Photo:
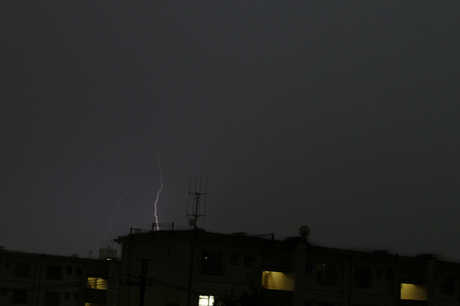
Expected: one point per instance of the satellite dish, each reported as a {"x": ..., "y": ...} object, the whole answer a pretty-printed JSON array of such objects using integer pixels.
[{"x": 304, "y": 231}]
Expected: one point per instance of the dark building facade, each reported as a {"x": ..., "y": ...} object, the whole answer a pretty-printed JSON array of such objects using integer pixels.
[
  {"x": 50, "y": 280},
  {"x": 197, "y": 268}
]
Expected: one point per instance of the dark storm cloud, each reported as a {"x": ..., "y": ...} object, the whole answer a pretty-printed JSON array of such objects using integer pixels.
[{"x": 339, "y": 115}]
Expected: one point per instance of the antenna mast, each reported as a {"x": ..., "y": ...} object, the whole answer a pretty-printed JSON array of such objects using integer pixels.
[{"x": 197, "y": 200}]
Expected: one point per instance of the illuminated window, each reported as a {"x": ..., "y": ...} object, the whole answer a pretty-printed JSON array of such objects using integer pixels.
[
  {"x": 413, "y": 292},
  {"x": 206, "y": 300},
  {"x": 278, "y": 280},
  {"x": 97, "y": 283}
]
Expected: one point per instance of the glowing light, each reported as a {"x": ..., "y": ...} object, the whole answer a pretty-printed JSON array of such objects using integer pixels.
[
  {"x": 274, "y": 280},
  {"x": 97, "y": 283},
  {"x": 158, "y": 193},
  {"x": 206, "y": 300},
  {"x": 413, "y": 292}
]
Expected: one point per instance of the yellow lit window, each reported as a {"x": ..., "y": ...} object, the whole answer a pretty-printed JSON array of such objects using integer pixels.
[
  {"x": 278, "y": 280},
  {"x": 97, "y": 283},
  {"x": 413, "y": 292}
]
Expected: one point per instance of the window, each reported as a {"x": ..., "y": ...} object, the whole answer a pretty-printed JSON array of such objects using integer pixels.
[
  {"x": 211, "y": 262},
  {"x": 51, "y": 299},
  {"x": 327, "y": 274},
  {"x": 390, "y": 274},
  {"x": 67, "y": 296},
  {"x": 413, "y": 292},
  {"x": 22, "y": 270},
  {"x": 69, "y": 270},
  {"x": 4, "y": 291},
  {"x": 7, "y": 265},
  {"x": 378, "y": 274},
  {"x": 448, "y": 285},
  {"x": 234, "y": 259},
  {"x": 362, "y": 278},
  {"x": 206, "y": 300},
  {"x": 78, "y": 271},
  {"x": 97, "y": 283},
  {"x": 309, "y": 266},
  {"x": 76, "y": 296},
  {"x": 54, "y": 272},
  {"x": 19, "y": 296},
  {"x": 248, "y": 260},
  {"x": 274, "y": 280}
]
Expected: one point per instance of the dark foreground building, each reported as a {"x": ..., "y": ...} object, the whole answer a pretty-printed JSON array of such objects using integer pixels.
[
  {"x": 50, "y": 280},
  {"x": 197, "y": 268}
]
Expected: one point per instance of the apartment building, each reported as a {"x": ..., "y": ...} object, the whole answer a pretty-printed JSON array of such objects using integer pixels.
[
  {"x": 50, "y": 280},
  {"x": 198, "y": 268}
]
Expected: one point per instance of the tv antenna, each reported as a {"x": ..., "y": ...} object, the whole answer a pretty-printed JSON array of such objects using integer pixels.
[{"x": 196, "y": 206}]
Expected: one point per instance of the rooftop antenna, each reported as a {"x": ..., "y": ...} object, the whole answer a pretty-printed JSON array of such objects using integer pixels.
[{"x": 197, "y": 200}]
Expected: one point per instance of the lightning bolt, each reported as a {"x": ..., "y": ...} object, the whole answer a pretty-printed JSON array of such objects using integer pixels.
[
  {"x": 113, "y": 218},
  {"x": 158, "y": 193}
]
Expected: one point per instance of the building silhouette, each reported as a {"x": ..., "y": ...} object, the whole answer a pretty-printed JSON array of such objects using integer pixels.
[
  {"x": 194, "y": 267},
  {"x": 199, "y": 268},
  {"x": 51, "y": 280}
]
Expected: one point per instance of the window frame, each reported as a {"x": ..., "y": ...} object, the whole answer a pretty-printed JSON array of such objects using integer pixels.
[
  {"x": 248, "y": 260},
  {"x": 51, "y": 298},
  {"x": 448, "y": 285},
  {"x": 211, "y": 262},
  {"x": 19, "y": 296},
  {"x": 54, "y": 272},
  {"x": 234, "y": 258},
  {"x": 22, "y": 270},
  {"x": 327, "y": 274},
  {"x": 362, "y": 277}
]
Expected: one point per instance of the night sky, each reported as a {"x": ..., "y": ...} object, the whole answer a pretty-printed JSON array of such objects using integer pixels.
[{"x": 341, "y": 115}]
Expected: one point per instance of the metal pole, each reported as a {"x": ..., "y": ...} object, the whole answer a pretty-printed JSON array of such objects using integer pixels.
[{"x": 143, "y": 281}]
